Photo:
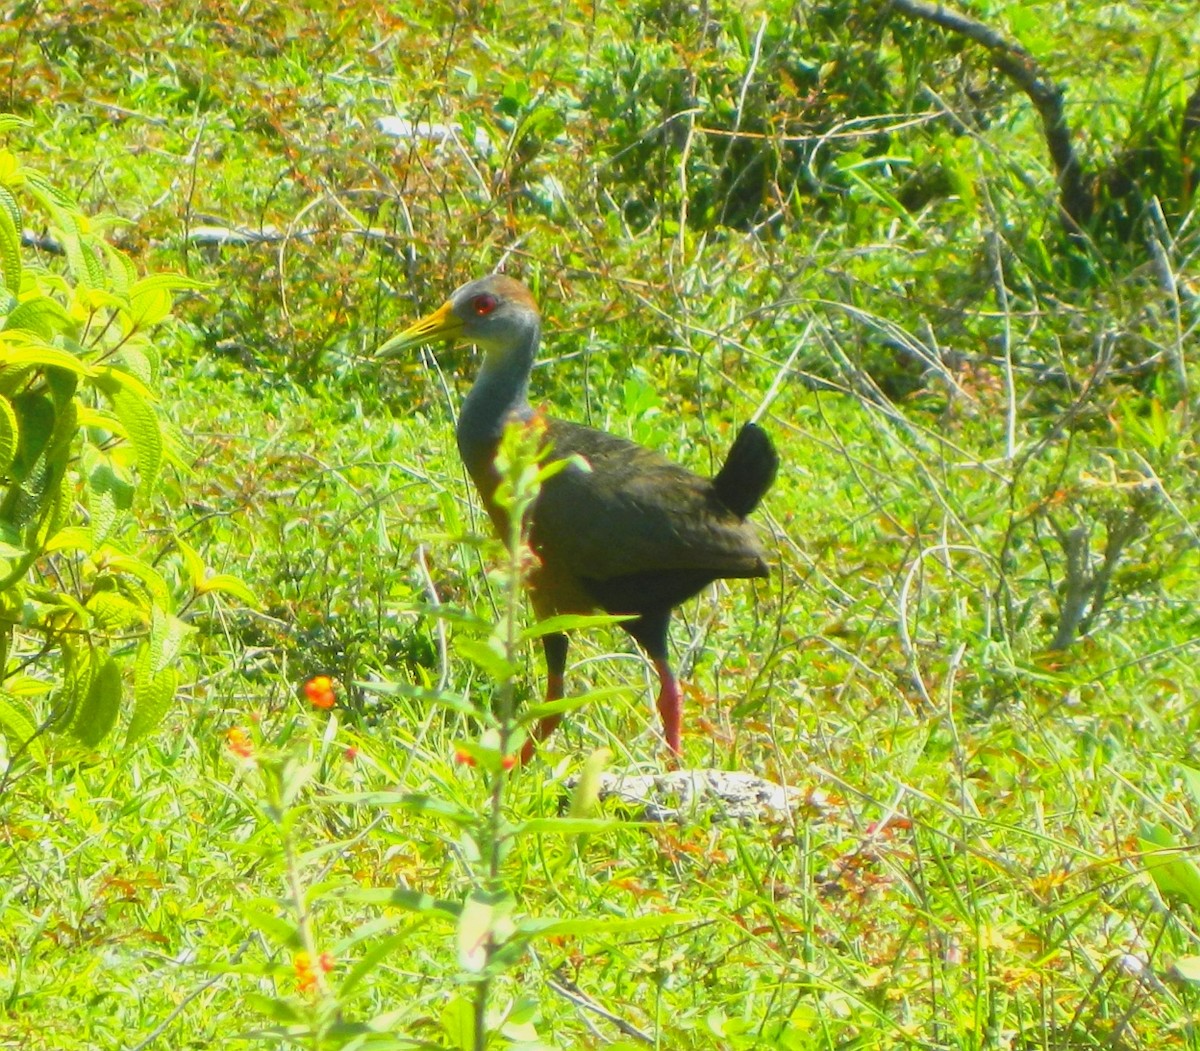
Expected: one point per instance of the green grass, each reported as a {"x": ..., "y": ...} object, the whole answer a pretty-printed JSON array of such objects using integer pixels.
[{"x": 965, "y": 870}]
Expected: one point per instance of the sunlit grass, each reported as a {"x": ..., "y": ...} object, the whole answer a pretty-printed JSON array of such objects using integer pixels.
[{"x": 964, "y": 871}]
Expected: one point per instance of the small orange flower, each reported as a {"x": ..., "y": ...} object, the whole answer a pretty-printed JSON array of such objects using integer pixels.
[
  {"x": 306, "y": 976},
  {"x": 463, "y": 757},
  {"x": 508, "y": 762},
  {"x": 319, "y": 691},
  {"x": 350, "y": 754},
  {"x": 239, "y": 742},
  {"x": 307, "y": 969}
]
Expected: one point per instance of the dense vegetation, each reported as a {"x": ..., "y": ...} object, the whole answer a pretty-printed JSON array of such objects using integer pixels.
[{"x": 975, "y": 660}]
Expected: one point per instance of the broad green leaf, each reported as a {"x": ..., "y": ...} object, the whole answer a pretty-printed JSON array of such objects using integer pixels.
[
  {"x": 9, "y": 435},
  {"x": 586, "y": 796},
  {"x": 570, "y": 826},
  {"x": 111, "y": 611},
  {"x": 167, "y": 633},
  {"x": 97, "y": 712},
  {"x": 458, "y": 1023},
  {"x": 141, "y": 424},
  {"x": 534, "y": 712},
  {"x": 192, "y": 561},
  {"x": 260, "y": 914},
  {"x": 487, "y": 655},
  {"x": 273, "y": 1008},
  {"x": 571, "y": 622},
  {"x": 111, "y": 380},
  {"x": 16, "y": 351},
  {"x": 80, "y": 671},
  {"x": 72, "y": 538},
  {"x": 152, "y": 697},
  {"x": 40, "y": 316},
  {"x": 18, "y": 726},
  {"x": 10, "y": 241},
  {"x": 117, "y": 562},
  {"x": 35, "y": 426},
  {"x": 109, "y": 498},
  {"x": 1170, "y": 864},
  {"x": 168, "y": 283},
  {"x": 228, "y": 584},
  {"x": 137, "y": 363},
  {"x": 149, "y": 306},
  {"x": 121, "y": 271}
]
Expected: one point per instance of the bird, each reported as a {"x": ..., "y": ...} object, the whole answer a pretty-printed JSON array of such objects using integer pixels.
[{"x": 630, "y": 532}]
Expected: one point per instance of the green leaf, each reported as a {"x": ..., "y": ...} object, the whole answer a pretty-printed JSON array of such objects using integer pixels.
[
  {"x": 1169, "y": 863},
  {"x": 79, "y": 671},
  {"x": 18, "y": 726},
  {"x": 118, "y": 562},
  {"x": 97, "y": 713},
  {"x": 110, "y": 497},
  {"x": 488, "y": 656},
  {"x": 261, "y": 915},
  {"x": 586, "y": 796},
  {"x": 10, "y": 241},
  {"x": 149, "y": 306},
  {"x": 458, "y": 1023},
  {"x": 40, "y": 316},
  {"x": 152, "y": 697},
  {"x": 35, "y": 415},
  {"x": 571, "y": 826},
  {"x": 168, "y": 282},
  {"x": 571, "y": 622},
  {"x": 111, "y": 611},
  {"x": 228, "y": 584},
  {"x": 534, "y": 712},
  {"x": 17, "y": 349},
  {"x": 142, "y": 425},
  {"x": 9, "y": 435},
  {"x": 273, "y": 1008},
  {"x": 167, "y": 633}
]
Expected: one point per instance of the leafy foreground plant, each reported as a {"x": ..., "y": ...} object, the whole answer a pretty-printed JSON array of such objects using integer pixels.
[
  {"x": 80, "y": 440},
  {"x": 491, "y": 937}
]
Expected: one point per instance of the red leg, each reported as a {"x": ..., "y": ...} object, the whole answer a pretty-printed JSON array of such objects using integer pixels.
[
  {"x": 670, "y": 704},
  {"x": 555, "y": 647}
]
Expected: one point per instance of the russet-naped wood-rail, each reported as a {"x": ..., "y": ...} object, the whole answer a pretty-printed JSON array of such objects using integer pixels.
[{"x": 635, "y": 535}]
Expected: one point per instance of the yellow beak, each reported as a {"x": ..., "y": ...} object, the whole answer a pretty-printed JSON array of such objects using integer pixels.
[{"x": 441, "y": 324}]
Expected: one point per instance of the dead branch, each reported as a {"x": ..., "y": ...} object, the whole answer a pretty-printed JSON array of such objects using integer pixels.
[{"x": 1047, "y": 96}]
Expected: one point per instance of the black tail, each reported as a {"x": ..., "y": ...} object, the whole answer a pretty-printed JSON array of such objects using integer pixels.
[{"x": 748, "y": 472}]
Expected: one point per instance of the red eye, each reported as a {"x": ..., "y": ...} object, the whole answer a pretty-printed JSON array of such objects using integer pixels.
[{"x": 484, "y": 305}]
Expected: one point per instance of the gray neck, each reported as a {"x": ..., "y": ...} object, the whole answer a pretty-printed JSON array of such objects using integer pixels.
[{"x": 500, "y": 391}]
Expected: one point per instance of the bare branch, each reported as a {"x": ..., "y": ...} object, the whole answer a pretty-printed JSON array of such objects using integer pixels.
[{"x": 1047, "y": 96}]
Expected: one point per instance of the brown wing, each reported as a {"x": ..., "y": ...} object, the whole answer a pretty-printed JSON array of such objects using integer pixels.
[{"x": 635, "y": 511}]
